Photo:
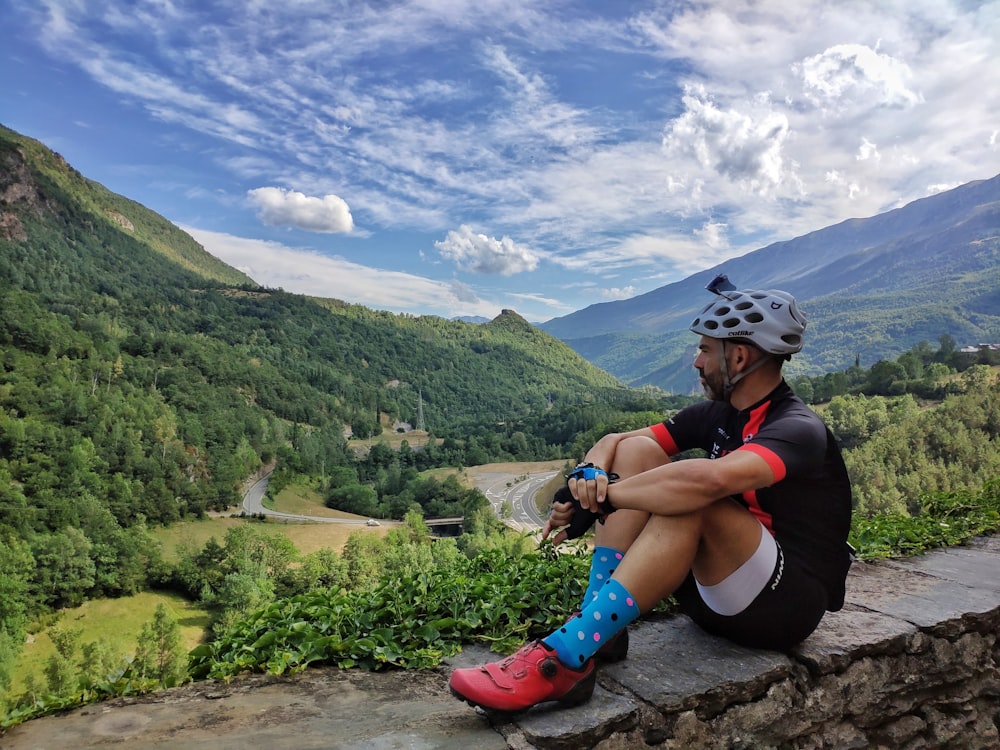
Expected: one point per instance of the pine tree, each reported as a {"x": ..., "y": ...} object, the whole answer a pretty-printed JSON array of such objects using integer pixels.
[
  {"x": 159, "y": 656},
  {"x": 61, "y": 672}
]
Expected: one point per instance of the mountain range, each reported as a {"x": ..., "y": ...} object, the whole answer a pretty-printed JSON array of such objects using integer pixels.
[
  {"x": 86, "y": 274},
  {"x": 871, "y": 288}
]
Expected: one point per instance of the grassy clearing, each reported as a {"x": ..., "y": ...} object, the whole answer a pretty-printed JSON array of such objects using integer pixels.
[
  {"x": 391, "y": 438},
  {"x": 115, "y": 621},
  {"x": 306, "y": 501},
  {"x": 307, "y": 537},
  {"x": 119, "y": 621}
]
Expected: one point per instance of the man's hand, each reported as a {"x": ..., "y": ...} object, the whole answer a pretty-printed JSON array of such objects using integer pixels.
[
  {"x": 569, "y": 512},
  {"x": 589, "y": 485},
  {"x": 591, "y": 492},
  {"x": 561, "y": 515}
]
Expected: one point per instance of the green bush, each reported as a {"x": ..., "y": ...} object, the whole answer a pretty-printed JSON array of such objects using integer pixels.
[{"x": 411, "y": 621}]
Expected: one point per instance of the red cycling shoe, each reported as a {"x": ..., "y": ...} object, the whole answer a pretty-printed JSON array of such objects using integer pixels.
[{"x": 530, "y": 676}]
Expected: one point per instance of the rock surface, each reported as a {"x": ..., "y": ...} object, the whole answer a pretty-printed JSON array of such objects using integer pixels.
[{"x": 911, "y": 662}]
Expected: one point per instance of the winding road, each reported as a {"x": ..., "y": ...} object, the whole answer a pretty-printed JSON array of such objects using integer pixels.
[
  {"x": 253, "y": 504},
  {"x": 499, "y": 486}
]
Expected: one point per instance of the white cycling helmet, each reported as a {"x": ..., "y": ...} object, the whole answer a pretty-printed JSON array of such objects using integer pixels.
[{"x": 768, "y": 319}]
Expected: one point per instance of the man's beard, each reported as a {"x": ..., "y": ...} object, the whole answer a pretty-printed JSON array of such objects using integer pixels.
[{"x": 712, "y": 386}]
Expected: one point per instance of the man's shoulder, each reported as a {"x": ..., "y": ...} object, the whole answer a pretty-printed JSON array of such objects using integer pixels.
[
  {"x": 703, "y": 410},
  {"x": 786, "y": 400},
  {"x": 789, "y": 416}
]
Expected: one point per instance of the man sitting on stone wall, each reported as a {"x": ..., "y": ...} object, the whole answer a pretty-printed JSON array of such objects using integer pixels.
[{"x": 751, "y": 540}]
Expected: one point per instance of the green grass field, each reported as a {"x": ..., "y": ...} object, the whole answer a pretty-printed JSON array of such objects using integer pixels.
[{"x": 307, "y": 537}]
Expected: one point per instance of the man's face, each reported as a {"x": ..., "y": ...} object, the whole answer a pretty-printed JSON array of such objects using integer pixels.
[{"x": 708, "y": 364}]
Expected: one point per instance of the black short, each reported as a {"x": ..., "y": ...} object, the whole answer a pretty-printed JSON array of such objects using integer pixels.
[{"x": 783, "y": 614}]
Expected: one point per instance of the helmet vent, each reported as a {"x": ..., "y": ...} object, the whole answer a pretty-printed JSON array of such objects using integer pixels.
[
  {"x": 744, "y": 305},
  {"x": 722, "y": 311},
  {"x": 711, "y": 325},
  {"x": 754, "y": 317},
  {"x": 731, "y": 322}
]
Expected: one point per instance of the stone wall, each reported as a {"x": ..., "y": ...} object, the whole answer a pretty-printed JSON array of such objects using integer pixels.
[{"x": 911, "y": 662}]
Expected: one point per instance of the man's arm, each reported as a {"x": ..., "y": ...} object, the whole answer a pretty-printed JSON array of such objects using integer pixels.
[
  {"x": 602, "y": 456},
  {"x": 690, "y": 485}
]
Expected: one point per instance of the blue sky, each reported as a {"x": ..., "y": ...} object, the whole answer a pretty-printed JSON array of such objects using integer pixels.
[{"x": 456, "y": 157}]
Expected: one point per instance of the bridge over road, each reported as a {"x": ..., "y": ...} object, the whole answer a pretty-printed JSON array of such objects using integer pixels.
[{"x": 445, "y": 526}]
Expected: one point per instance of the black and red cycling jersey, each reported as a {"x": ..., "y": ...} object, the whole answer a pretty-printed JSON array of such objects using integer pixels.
[{"x": 808, "y": 508}]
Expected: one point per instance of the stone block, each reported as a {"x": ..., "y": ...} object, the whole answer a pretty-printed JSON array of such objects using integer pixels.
[
  {"x": 552, "y": 728},
  {"x": 674, "y": 665},
  {"x": 968, "y": 566},
  {"x": 933, "y": 603},
  {"x": 845, "y": 636}
]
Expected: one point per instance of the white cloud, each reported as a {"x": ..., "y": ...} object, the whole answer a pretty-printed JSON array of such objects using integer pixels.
[
  {"x": 539, "y": 299},
  {"x": 849, "y": 187},
  {"x": 868, "y": 150},
  {"x": 617, "y": 292},
  {"x": 482, "y": 254},
  {"x": 713, "y": 234},
  {"x": 536, "y": 116},
  {"x": 463, "y": 292},
  {"x": 653, "y": 255},
  {"x": 289, "y": 208},
  {"x": 857, "y": 72},
  {"x": 743, "y": 146}
]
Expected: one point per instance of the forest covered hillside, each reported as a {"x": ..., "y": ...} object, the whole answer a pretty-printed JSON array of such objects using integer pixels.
[
  {"x": 142, "y": 379},
  {"x": 142, "y": 382}
]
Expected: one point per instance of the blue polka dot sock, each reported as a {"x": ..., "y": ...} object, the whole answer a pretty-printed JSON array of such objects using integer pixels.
[
  {"x": 602, "y": 565},
  {"x": 580, "y": 638}
]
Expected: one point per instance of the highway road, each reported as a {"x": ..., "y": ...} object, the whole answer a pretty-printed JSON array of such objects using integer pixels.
[{"x": 519, "y": 491}]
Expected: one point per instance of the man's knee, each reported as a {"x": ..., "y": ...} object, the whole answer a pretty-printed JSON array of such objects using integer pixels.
[{"x": 637, "y": 454}]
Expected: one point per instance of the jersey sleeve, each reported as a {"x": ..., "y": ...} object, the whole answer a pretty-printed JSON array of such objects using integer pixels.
[
  {"x": 685, "y": 430},
  {"x": 792, "y": 446}
]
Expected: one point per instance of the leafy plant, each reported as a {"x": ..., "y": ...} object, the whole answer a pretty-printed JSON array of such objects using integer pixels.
[
  {"x": 410, "y": 622},
  {"x": 944, "y": 520}
]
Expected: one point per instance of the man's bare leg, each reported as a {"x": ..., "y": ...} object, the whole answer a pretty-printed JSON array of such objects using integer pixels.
[
  {"x": 713, "y": 542},
  {"x": 633, "y": 456}
]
